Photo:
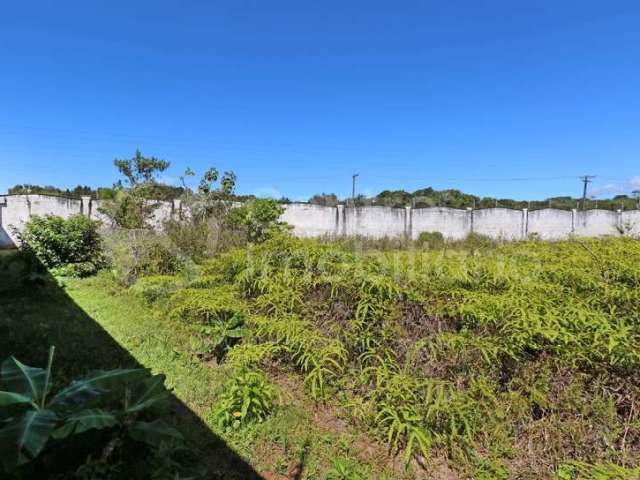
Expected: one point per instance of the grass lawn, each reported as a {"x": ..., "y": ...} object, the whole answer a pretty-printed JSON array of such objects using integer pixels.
[{"x": 96, "y": 325}]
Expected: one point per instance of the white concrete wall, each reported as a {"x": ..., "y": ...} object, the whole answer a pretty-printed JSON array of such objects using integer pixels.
[
  {"x": 311, "y": 220},
  {"x": 15, "y": 211},
  {"x": 453, "y": 223},
  {"x": 377, "y": 222},
  {"x": 499, "y": 223},
  {"x": 549, "y": 223},
  {"x": 595, "y": 223},
  {"x": 630, "y": 222},
  {"x": 97, "y": 215}
]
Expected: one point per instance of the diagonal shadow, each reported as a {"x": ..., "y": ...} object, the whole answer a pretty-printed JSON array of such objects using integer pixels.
[{"x": 35, "y": 313}]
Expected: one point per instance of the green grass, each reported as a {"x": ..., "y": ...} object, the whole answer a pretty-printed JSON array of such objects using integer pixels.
[
  {"x": 498, "y": 361},
  {"x": 97, "y": 325}
]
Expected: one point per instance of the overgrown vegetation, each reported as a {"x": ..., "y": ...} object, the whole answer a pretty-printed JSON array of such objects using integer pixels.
[
  {"x": 516, "y": 360},
  {"x": 471, "y": 359},
  {"x": 69, "y": 247}
]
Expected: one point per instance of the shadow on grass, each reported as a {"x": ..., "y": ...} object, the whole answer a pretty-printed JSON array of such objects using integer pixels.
[{"x": 36, "y": 313}]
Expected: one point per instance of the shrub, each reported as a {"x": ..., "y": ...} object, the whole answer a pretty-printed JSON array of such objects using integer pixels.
[
  {"x": 476, "y": 241},
  {"x": 158, "y": 259},
  {"x": 79, "y": 270},
  {"x": 259, "y": 218},
  {"x": 433, "y": 240},
  {"x": 116, "y": 403},
  {"x": 204, "y": 307},
  {"x": 216, "y": 339},
  {"x": 191, "y": 238},
  {"x": 207, "y": 281},
  {"x": 135, "y": 253},
  {"x": 247, "y": 398},
  {"x": 58, "y": 242},
  {"x": 153, "y": 288}
]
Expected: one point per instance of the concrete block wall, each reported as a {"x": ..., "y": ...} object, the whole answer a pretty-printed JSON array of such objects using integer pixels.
[
  {"x": 376, "y": 222},
  {"x": 500, "y": 223},
  {"x": 550, "y": 224},
  {"x": 453, "y": 223},
  {"x": 595, "y": 223},
  {"x": 312, "y": 220}
]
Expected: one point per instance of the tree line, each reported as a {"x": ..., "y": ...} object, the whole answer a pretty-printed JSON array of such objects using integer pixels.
[
  {"x": 421, "y": 198},
  {"x": 452, "y": 198}
]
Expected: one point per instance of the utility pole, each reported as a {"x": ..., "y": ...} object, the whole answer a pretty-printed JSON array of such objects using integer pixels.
[
  {"x": 586, "y": 179},
  {"x": 353, "y": 188}
]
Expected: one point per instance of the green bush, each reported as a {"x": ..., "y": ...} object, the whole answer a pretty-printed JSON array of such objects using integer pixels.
[
  {"x": 159, "y": 259},
  {"x": 191, "y": 238},
  {"x": 153, "y": 288},
  {"x": 259, "y": 218},
  {"x": 135, "y": 253},
  {"x": 58, "y": 242},
  {"x": 79, "y": 270},
  {"x": 207, "y": 281},
  {"x": 204, "y": 307},
  {"x": 432, "y": 240},
  {"x": 247, "y": 398}
]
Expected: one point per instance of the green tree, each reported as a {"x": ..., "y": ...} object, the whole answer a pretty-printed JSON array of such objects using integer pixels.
[
  {"x": 128, "y": 206},
  {"x": 259, "y": 218},
  {"x": 326, "y": 199},
  {"x": 201, "y": 228}
]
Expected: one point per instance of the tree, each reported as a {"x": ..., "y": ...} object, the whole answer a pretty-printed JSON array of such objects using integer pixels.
[
  {"x": 326, "y": 199},
  {"x": 139, "y": 170},
  {"x": 128, "y": 207},
  {"x": 200, "y": 229},
  {"x": 259, "y": 218}
]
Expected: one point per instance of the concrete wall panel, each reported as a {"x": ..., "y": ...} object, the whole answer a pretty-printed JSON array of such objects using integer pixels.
[
  {"x": 375, "y": 222},
  {"x": 595, "y": 223},
  {"x": 311, "y": 220},
  {"x": 549, "y": 223},
  {"x": 501, "y": 223},
  {"x": 453, "y": 223},
  {"x": 630, "y": 222}
]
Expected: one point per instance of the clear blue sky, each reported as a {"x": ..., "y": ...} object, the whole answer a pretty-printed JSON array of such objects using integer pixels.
[{"x": 295, "y": 96}]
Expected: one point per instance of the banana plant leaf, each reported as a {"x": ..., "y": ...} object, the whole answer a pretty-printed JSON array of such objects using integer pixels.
[
  {"x": 23, "y": 439},
  {"x": 23, "y": 380},
  {"x": 11, "y": 398},
  {"x": 154, "y": 433},
  {"x": 85, "y": 420},
  {"x": 153, "y": 392},
  {"x": 98, "y": 383}
]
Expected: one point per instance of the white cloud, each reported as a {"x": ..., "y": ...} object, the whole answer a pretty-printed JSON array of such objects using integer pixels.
[
  {"x": 613, "y": 188},
  {"x": 609, "y": 188},
  {"x": 266, "y": 192}
]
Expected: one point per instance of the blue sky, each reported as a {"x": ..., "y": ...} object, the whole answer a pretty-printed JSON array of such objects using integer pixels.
[{"x": 500, "y": 98}]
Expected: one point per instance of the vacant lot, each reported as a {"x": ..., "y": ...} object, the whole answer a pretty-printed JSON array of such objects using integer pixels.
[{"x": 516, "y": 361}]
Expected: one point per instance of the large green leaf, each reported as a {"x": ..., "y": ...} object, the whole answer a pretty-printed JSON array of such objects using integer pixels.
[
  {"x": 80, "y": 392},
  {"x": 151, "y": 392},
  {"x": 22, "y": 379},
  {"x": 154, "y": 433},
  {"x": 10, "y": 398},
  {"x": 85, "y": 420},
  {"x": 25, "y": 437}
]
